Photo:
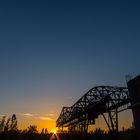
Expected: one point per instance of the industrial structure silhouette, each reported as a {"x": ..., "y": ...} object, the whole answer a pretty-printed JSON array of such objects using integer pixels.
[{"x": 98, "y": 101}]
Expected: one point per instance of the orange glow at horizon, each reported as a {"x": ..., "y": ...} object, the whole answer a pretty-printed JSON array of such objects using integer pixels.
[
  {"x": 51, "y": 124},
  {"x": 24, "y": 123}
]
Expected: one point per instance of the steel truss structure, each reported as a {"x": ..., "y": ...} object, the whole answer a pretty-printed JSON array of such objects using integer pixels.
[{"x": 100, "y": 100}]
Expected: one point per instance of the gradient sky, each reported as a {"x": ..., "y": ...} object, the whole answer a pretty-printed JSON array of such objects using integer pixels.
[{"x": 52, "y": 52}]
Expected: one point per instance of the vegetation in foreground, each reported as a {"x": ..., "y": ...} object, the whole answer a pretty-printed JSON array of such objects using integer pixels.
[
  {"x": 9, "y": 131},
  {"x": 32, "y": 134}
]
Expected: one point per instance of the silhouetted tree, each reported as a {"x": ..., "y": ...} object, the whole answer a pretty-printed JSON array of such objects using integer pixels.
[
  {"x": 46, "y": 130},
  {"x": 9, "y": 125},
  {"x": 42, "y": 131},
  {"x": 6, "y": 127},
  {"x": 32, "y": 129},
  {"x": 13, "y": 125},
  {"x": 2, "y": 124}
]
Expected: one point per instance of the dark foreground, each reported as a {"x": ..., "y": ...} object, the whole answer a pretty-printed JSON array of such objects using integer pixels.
[{"x": 66, "y": 136}]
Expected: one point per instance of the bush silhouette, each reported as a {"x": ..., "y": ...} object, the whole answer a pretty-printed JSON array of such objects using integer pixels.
[{"x": 32, "y": 129}]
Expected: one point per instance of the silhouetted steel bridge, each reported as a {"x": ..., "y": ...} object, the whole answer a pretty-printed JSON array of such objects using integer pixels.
[{"x": 107, "y": 101}]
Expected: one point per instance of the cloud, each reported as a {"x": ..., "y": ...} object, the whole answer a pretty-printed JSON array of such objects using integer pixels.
[
  {"x": 50, "y": 114},
  {"x": 28, "y": 115},
  {"x": 45, "y": 118}
]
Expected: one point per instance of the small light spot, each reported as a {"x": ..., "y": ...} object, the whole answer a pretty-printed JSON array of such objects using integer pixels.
[{"x": 54, "y": 131}]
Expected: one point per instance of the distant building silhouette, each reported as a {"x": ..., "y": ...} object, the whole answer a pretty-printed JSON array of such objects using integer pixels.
[{"x": 134, "y": 90}]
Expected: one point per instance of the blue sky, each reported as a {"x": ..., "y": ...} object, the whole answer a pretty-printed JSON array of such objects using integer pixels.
[{"x": 52, "y": 52}]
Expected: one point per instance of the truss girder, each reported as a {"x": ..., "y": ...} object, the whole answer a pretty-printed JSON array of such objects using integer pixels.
[{"x": 96, "y": 101}]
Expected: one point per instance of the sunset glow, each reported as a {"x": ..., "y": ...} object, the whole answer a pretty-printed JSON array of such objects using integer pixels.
[
  {"x": 53, "y": 52},
  {"x": 54, "y": 131}
]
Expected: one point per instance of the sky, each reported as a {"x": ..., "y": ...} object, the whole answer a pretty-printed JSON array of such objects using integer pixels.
[{"x": 52, "y": 52}]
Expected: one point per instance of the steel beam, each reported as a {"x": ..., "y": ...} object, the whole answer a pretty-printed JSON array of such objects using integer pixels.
[{"x": 97, "y": 101}]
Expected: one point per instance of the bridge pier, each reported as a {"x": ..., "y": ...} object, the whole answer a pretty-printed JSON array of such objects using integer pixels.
[{"x": 112, "y": 120}]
